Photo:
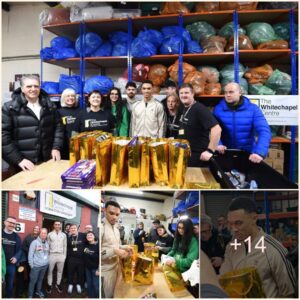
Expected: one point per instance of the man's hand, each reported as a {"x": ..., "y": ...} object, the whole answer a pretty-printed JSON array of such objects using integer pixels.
[
  {"x": 55, "y": 154},
  {"x": 97, "y": 273},
  {"x": 255, "y": 158},
  {"x": 205, "y": 156},
  {"x": 13, "y": 260},
  {"x": 121, "y": 253},
  {"x": 221, "y": 149},
  {"x": 170, "y": 262},
  {"x": 216, "y": 261},
  {"x": 26, "y": 164}
]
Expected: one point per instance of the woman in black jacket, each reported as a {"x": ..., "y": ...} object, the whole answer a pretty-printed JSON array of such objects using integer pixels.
[
  {"x": 139, "y": 237},
  {"x": 31, "y": 127},
  {"x": 165, "y": 240}
]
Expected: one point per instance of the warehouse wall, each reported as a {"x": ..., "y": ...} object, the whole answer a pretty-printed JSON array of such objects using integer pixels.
[{"x": 21, "y": 43}]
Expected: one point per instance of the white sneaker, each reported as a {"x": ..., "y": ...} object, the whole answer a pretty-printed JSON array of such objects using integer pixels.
[
  {"x": 78, "y": 287},
  {"x": 70, "y": 288}
]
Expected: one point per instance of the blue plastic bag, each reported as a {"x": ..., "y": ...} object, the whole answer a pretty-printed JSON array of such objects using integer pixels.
[
  {"x": 150, "y": 35},
  {"x": 50, "y": 87},
  {"x": 92, "y": 42},
  {"x": 119, "y": 49},
  {"x": 192, "y": 199},
  {"x": 102, "y": 84},
  {"x": 192, "y": 47},
  {"x": 118, "y": 37},
  {"x": 104, "y": 50},
  {"x": 140, "y": 48},
  {"x": 47, "y": 53},
  {"x": 71, "y": 82},
  {"x": 169, "y": 31},
  {"x": 179, "y": 208},
  {"x": 170, "y": 45},
  {"x": 60, "y": 42},
  {"x": 65, "y": 53}
]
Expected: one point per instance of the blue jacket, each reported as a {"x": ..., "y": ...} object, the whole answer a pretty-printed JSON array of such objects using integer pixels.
[{"x": 241, "y": 126}]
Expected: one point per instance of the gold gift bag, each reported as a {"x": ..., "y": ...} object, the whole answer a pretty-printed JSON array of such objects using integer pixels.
[
  {"x": 126, "y": 267},
  {"x": 103, "y": 159},
  {"x": 173, "y": 278},
  {"x": 145, "y": 161},
  {"x": 159, "y": 159},
  {"x": 151, "y": 252},
  {"x": 179, "y": 152},
  {"x": 144, "y": 271},
  {"x": 134, "y": 163},
  {"x": 75, "y": 147},
  {"x": 118, "y": 160},
  {"x": 242, "y": 283},
  {"x": 87, "y": 145}
]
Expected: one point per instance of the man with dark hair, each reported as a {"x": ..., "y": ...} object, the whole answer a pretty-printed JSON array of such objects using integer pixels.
[
  {"x": 31, "y": 127},
  {"x": 152, "y": 236},
  {"x": 57, "y": 241},
  {"x": 11, "y": 244},
  {"x": 75, "y": 249},
  {"x": 199, "y": 127},
  {"x": 148, "y": 118},
  {"x": 131, "y": 97},
  {"x": 111, "y": 248},
  {"x": 254, "y": 248}
]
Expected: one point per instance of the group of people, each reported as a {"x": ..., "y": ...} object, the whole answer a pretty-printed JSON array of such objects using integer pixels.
[
  {"x": 249, "y": 246},
  {"x": 33, "y": 130},
  {"x": 182, "y": 248},
  {"x": 70, "y": 251}
]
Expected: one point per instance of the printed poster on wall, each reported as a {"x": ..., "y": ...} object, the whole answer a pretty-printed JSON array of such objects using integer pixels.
[
  {"x": 278, "y": 110},
  {"x": 26, "y": 213},
  {"x": 57, "y": 205}
]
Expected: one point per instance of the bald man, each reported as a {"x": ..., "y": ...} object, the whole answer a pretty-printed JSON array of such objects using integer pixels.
[{"x": 243, "y": 124}]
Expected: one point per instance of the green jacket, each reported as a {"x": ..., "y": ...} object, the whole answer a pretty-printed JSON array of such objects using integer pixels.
[
  {"x": 183, "y": 263},
  {"x": 3, "y": 261},
  {"x": 123, "y": 126}
]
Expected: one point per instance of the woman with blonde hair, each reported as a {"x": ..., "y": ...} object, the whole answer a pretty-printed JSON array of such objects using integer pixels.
[{"x": 69, "y": 112}]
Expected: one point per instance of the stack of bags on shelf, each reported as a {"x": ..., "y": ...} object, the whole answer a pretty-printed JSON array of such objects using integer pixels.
[
  {"x": 121, "y": 159},
  {"x": 275, "y": 159}
]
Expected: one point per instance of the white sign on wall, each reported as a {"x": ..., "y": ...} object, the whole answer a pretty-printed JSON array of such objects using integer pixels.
[
  {"x": 278, "y": 110},
  {"x": 20, "y": 227},
  {"x": 15, "y": 198},
  {"x": 57, "y": 205},
  {"x": 26, "y": 213}
]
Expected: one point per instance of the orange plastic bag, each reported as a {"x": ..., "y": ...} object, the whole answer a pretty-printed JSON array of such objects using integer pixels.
[
  {"x": 207, "y": 6},
  {"x": 214, "y": 44},
  {"x": 212, "y": 89},
  {"x": 174, "y": 8},
  {"x": 244, "y": 43},
  {"x": 158, "y": 74},
  {"x": 259, "y": 74},
  {"x": 279, "y": 44},
  {"x": 173, "y": 70},
  {"x": 249, "y": 5}
]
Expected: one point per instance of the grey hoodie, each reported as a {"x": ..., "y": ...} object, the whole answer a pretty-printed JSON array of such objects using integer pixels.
[{"x": 38, "y": 255}]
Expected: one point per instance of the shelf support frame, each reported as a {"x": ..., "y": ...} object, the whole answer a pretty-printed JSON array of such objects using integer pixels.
[{"x": 236, "y": 57}]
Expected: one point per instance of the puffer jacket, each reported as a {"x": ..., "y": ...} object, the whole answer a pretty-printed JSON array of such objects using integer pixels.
[
  {"x": 24, "y": 136},
  {"x": 240, "y": 127}
]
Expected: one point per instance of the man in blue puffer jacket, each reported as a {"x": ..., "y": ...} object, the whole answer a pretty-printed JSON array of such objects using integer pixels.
[{"x": 241, "y": 122}]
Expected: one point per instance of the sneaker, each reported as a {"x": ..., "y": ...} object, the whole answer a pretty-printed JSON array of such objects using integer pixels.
[
  {"x": 70, "y": 288},
  {"x": 49, "y": 289},
  {"x": 78, "y": 287},
  {"x": 40, "y": 295},
  {"x": 59, "y": 288}
]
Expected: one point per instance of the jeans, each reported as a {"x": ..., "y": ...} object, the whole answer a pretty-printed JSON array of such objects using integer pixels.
[
  {"x": 36, "y": 278},
  {"x": 92, "y": 283},
  {"x": 9, "y": 280}
]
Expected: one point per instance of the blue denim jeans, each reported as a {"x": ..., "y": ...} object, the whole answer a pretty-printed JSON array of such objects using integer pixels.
[
  {"x": 92, "y": 283},
  {"x": 36, "y": 278},
  {"x": 9, "y": 280}
]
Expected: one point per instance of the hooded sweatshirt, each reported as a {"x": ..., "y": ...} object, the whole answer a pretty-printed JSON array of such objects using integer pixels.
[{"x": 38, "y": 253}]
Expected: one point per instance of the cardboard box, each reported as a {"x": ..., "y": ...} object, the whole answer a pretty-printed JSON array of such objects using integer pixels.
[
  {"x": 276, "y": 153},
  {"x": 278, "y": 163},
  {"x": 269, "y": 161}
]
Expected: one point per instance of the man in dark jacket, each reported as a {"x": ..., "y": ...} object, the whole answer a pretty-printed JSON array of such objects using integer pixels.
[
  {"x": 31, "y": 128},
  {"x": 241, "y": 122},
  {"x": 11, "y": 244}
]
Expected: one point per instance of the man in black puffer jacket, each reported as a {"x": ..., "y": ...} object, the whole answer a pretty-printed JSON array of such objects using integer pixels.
[{"x": 31, "y": 128}]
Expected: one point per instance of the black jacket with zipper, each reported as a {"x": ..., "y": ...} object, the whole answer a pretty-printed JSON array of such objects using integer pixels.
[{"x": 24, "y": 135}]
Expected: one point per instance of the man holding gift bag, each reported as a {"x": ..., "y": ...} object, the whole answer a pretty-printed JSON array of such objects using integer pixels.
[{"x": 111, "y": 248}]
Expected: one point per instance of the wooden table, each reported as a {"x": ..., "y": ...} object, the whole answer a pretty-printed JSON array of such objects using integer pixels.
[
  {"x": 159, "y": 286},
  {"x": 44, "y": 176}
]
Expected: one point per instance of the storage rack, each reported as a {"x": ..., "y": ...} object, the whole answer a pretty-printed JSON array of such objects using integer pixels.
[{"x": 218, "y": 18}]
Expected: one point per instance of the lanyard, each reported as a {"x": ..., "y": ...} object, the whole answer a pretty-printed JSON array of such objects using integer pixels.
[{"x": 187, "y": 111}]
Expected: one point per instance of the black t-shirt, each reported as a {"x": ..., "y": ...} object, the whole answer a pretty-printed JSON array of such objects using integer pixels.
[
  {"x": 68, "y": 118},
  {"x": 196, "y": 121},
  {"x": 9, "y": 243},
  {"x": 91, "y": 256},
  {"x": 76, "y": 245},
  {"x": 100, "y": 120}
]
